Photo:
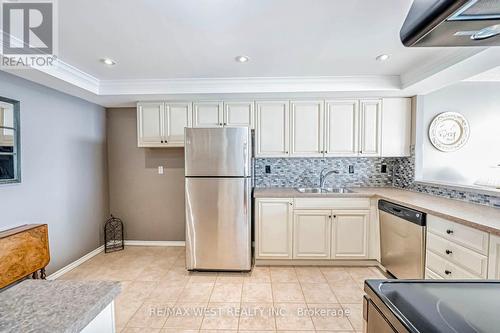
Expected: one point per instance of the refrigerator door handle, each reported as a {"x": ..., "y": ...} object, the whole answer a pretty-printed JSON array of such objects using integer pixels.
[
  {"x": 245, "y": 157},
  {"x": 245, "y": 197}
]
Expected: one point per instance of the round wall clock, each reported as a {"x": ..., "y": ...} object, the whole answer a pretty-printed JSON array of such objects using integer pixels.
[{"x": 449, "y": 131}]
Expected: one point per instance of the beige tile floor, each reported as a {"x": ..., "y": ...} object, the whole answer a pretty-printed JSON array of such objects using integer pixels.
[{"x": 159, "y": 295}]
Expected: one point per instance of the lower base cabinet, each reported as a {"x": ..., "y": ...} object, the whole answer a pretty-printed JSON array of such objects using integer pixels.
[
  {"x": 350, "y": 234},
  {"x": 494, "y": 258},
  {"x": 273, "y": 228},
  {"x": 310, "y": 234}
]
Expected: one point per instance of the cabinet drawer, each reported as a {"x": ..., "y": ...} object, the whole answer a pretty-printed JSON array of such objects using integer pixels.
[
  {"x": 332, "y": 203},
  {"x": 446, "y": 269},
  {"x": 469, "y": 237},
  {"x": 430, "y": 275},
  {"x": 459, "y": 255}
]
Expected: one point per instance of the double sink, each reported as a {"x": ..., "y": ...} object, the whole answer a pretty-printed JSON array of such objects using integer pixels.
[{"x": 319, "y": 190}]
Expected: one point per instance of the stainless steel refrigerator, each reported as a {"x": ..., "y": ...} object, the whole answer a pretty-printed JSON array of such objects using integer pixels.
[{"x": 218, "y": 198}]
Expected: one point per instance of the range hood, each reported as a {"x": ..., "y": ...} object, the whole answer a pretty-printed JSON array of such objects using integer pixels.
[{"x": 452, "y": 23}]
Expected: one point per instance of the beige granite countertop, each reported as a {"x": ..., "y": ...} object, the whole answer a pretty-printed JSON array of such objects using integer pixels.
[{"x": 477, "y": 216}]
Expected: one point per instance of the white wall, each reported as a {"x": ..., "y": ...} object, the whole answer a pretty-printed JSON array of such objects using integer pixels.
[
  {"x": 479, "y": 102},
  {"x": 64, "y": 183}
]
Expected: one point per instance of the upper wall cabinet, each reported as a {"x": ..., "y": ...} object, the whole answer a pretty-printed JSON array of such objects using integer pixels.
[
  {"x": 342, "y": 128},
  {"x": 177, "y": 117},
  {"x": 237, "y": 114},
  {"x": 208, "y": 114},
  {"x": 150, "y": 124},
  {"x": 370, "y": 126},
  {"x": 162, "y": 124},
  {"x": 307, "y": 128},
  {"x": 396, "y": 127},
  {"x": 272, "y": 129}
]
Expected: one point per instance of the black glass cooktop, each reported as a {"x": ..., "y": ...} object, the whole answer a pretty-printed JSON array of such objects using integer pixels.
[{"x": 442, "y": 306}]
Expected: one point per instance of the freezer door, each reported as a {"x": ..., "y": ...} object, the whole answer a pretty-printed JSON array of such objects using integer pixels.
[
  {"x": 218, "y": 224},
  {"x": 220, "y": 152}
]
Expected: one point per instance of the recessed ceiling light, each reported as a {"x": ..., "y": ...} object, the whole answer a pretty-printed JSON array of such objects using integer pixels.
[
  {"x": 242, "y": 58},
  {"x": 108, "y": 61},
  {"x": 382, "y": 57}
]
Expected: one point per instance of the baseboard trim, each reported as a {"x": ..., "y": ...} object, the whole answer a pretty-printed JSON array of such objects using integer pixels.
[
  {"x": 303, "y": 262},
  {"x": 154, "y": 243},
  {"x": 75, "y": 263}
]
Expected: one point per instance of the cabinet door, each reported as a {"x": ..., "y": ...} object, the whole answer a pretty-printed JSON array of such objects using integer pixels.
[
  {"x": 177, "y": 117},
  {"x": 150, "y": 124},
  {"x": 370, "y": 127},
  {"x": 207, "y": 114},
  {"x": 350, "y": 234},
  {"x": 272, "y": 129},
  {"x": 341, "y": 130},
  {"x": 396, "y": 127},
  {"x": 311, "y": 234},
  {"x": 273, "y": 232},
  {"x": 494, "y": 258},
  {"x": 307, "y": 128},
  {"x": 238, "y": 114}
]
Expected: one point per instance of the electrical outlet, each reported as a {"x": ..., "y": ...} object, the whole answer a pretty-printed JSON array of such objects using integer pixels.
[
  {"x": 160, "y": 170},
  {"x": 351, "y": 168},
  {"x": 268, "y": 169},
  {"x": 383, "y": 168}
]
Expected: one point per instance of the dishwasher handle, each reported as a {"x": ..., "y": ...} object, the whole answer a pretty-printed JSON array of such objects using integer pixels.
[{"x": 405, "y": 213}]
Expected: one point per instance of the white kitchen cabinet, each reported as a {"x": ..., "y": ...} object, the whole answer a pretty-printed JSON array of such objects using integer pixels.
[
  {"x": 177, "y": 117},
  {"x": 311, "y": 234},
  {"x": 239, "y": 114},
  {"x": 208, "y": 114},
  {"x": 273, "y": 230},
  {"x": 350, "y": 234},
  {"x": 370, "y": 127},
  {"x": 150, "y": 124},
  {"x": 306, "y": 135},
  {"x": 396, "y": 127},
  {"x": 341, "y": 128},
  {"x": 494, "y": 258},
  {"x": 272, "y": 136},
  {"x": 162, "y": 124}
]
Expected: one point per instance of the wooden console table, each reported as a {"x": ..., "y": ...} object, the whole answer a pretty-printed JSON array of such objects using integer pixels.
[{"x": 24, "y": 251}]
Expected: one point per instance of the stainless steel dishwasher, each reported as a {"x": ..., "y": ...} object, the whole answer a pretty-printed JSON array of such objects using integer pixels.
[{"x": 402, "y": 240}]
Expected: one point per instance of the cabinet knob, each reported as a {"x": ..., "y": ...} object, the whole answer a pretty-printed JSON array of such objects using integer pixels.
[
  {"x": 334, "y": 216},
  {"x": 448, "y": 252},
  {"x": 447, "y": 272},
  {"x": 449, "y": 231}
]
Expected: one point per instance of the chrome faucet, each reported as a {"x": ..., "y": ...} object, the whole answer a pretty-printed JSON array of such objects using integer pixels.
[{"x": 323, "y": 176}]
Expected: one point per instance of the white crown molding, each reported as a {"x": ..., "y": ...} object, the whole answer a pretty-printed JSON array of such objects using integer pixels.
[
  {"x": 458, "y": 67},
  {"x": 72, "y": 75},
  {"x": 249, "y": 85}
]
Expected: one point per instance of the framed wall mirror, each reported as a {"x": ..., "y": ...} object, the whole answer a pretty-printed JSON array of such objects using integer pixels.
[{"x": 10, "y": 159}]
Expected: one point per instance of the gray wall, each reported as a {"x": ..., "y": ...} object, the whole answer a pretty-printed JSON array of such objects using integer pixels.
[
  {"x": 479, "y": 102},
  {"x": 64, "y": 179},
  {"x": 151, "y": 205}
]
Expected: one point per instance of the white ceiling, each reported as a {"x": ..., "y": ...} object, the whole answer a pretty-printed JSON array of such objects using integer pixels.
[
  {"x": 152, "y": 39},
  {"x": 178, "y": 49}
]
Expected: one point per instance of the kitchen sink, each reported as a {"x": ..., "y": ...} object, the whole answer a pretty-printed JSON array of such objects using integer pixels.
[{"x": 324, "y": 190}]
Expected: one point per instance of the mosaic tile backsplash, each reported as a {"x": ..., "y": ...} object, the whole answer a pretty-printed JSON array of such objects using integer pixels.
[{"x": 304, "y": 172}]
